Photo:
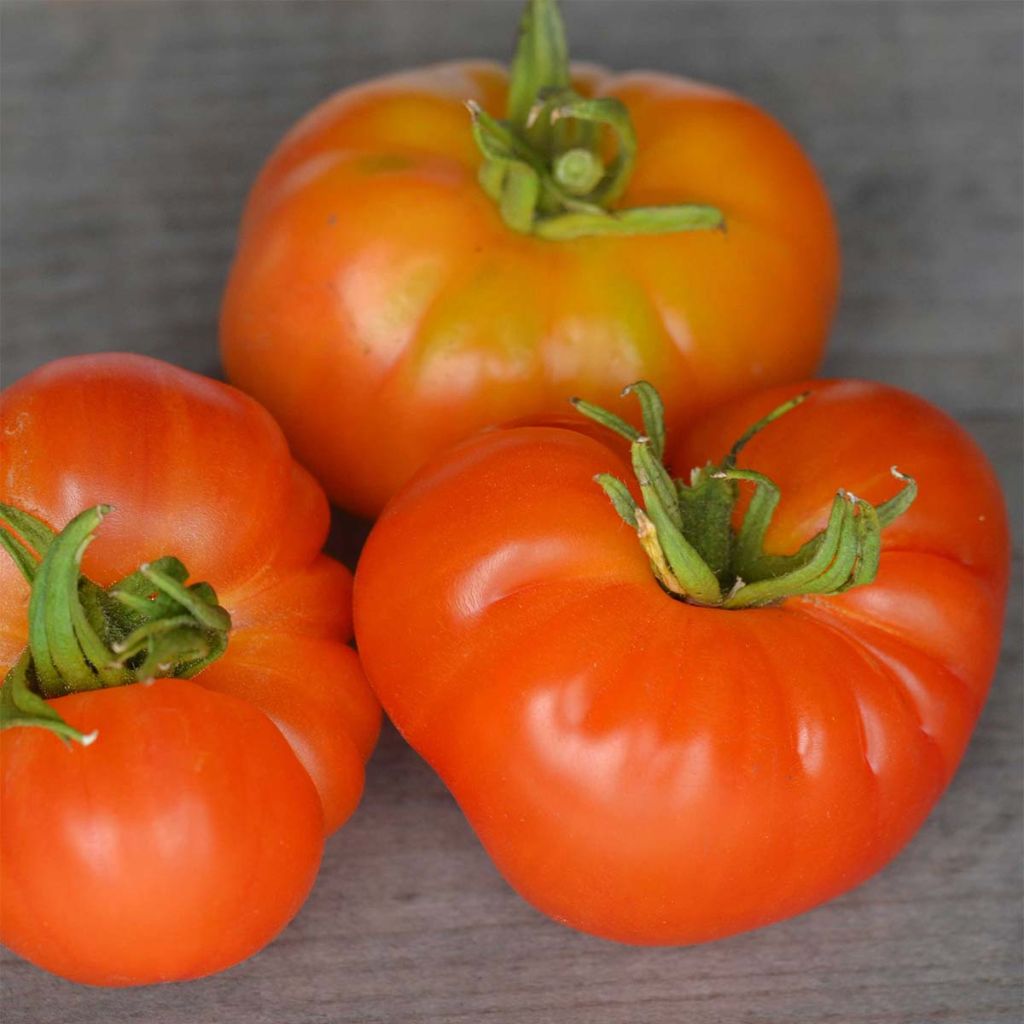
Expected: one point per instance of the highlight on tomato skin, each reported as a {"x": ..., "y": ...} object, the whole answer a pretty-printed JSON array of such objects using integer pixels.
[
  {"x": 672, "y": 714},
  {"x": 409, "y": 271},
  {"x": 182, "y": 719}
]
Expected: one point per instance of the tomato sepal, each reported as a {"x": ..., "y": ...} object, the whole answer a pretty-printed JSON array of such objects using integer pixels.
[
  {"x": 82, "y": 637},
  {"x": 686, "y": 529},
  {"x": 20, "y": 706},
  {"x": 543, "y": 164}
]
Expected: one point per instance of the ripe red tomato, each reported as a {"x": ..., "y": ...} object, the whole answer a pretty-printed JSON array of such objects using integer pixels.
[
  {"x": 390, "y": 296},
  {"x": 653, "y": 770},
  {"x": 189, "y": 832}
]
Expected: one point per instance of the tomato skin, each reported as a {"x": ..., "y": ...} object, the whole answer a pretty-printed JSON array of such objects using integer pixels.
[
  {"x": 381, "y": 309},
  {"x": 659, "y": 773},
  {"x": 195, "y": 469},
  {"x": 326, "y": 712},
  {"x": 143, "y": 857}
]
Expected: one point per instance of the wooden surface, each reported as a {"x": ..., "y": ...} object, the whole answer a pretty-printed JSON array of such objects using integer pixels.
[{"x": 130, "y": 134}]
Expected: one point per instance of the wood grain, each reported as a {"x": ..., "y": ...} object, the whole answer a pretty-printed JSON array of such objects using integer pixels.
[{"x": 130, "y": 134}]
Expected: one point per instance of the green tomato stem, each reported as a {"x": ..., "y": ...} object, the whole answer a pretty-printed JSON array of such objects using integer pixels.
[
  {"x": 578, "y": 171},
  {"x": 540, "y": 63},
  {"x": 687, "y": 533},
  {"x": 82, "y": 637},
  {"x": 543, "y": 165}
]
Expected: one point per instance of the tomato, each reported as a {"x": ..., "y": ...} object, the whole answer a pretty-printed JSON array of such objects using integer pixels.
[
  {"x": 673, "y": 762},
  {"x": 189, "y": 832},
  {"x": 393, "y": 291}
]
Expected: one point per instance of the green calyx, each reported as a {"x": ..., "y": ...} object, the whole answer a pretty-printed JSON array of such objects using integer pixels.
[
  {"x": 686, "y": 528},
  {"x": 148, "y": 625},
  {"x": 544, "y": 163}
]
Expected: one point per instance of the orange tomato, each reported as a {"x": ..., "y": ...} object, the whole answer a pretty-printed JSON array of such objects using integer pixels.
[
  {"x": 655, "y": 771},
  {"x": 189, "y": 832},
  {"x": 381, "y": 307}
]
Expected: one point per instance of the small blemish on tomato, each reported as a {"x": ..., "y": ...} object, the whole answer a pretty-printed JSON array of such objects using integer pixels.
[
  {"x": 20, "y": 421},
  {"x": 382, "y": 163}
]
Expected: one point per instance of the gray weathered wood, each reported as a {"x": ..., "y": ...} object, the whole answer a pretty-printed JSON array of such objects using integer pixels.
[{"x": 130, "y": 134}]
